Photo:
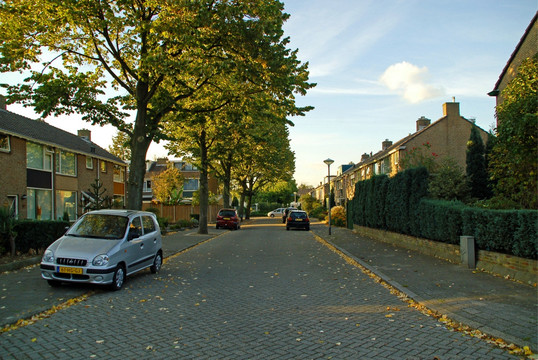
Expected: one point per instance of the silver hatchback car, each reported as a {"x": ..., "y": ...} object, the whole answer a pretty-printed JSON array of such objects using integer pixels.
[{"x": 103, "y": 247}]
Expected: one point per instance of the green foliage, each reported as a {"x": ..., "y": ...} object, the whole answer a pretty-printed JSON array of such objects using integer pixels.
[
  {"x": 38, "y": 235},
  {"x": 99, "y": 198},
  {"x": 390, "y": 203},
  {"x": 279, "y": 193},
  {"x": 419, "y": 157},
  {"x": 449, "y": 182},
  {"x": 167, "y": 186},
  {"x": 513, "y": 162},
  {"x": 307, "y": 202},
  {"x": 477, "y": 175},
  {"x": 163, "y": 61},
  {"x": 153, "y": 210},
  {"x": 121, "y": 146},
  {"x": 318, "y": 212},
  {"x": 338, "y": 216},
  {"x": 7, "y": 229}
]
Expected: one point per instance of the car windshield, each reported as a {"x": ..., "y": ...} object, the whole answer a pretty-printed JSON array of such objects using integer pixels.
[
  {"x": 228, "y": 213},
  {"x": 100, "y": 226},
  {"x": 298, "y": 215}
]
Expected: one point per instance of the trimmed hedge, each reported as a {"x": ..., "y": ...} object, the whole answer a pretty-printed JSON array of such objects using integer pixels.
[
  {"x": 37, "y": 235},
  {"x": 399, "y": 204}
]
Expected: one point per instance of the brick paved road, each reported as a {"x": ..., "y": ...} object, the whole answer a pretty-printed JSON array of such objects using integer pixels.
[{"x": 258, "y": 293}]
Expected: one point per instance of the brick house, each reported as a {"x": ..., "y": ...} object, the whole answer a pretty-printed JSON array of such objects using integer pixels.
[
  {"x": 526, "y": 48},
  {"x": 49, "y": 170},
  {"x": 447, "y": 137},
  {"x": 190, "y": 173}
]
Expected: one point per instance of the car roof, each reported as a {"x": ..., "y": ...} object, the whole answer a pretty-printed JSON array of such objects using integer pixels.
[
  {"x": 298, "y": 211},
  {"x": 120, "y": 212}
]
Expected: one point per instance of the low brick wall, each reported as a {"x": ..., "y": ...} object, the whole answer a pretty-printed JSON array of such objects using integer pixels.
[{"x": 525, "y": 270}]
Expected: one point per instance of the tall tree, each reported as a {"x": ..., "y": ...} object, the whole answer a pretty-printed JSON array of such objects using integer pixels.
[
  {"x": 514, "y": 162},
  {"x": 167, "y": 186},
  {"x": 149, "y": 57},
  {"x": 477, "y": 175},
  {"x": 120, "y": 146}
]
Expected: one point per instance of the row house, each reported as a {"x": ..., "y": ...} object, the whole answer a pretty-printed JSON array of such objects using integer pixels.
[
  {"x": 447, "y": 137},
  {"x": 49, "y": 171},
  {"x": 191, "y": 175},
  {"x": 526, "y": 48}
]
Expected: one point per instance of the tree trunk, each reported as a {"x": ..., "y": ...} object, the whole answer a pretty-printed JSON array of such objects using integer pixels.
[
  {"x": 140, "y": 142},
  {"x": 226, "y": 181},
  {"x": 204, "y": 189},
  {"x": 242, "y": 204},
  {"x": 249, "y": 204}
]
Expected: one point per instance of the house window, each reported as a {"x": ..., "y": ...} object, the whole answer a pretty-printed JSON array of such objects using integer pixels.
[
  {"x": 38, "y": 157},
  {"x": 66, "y": 202},
  {"x": 39, "y": 204},
  {"x": 119, "y": 173},
  {"x": 147, "y": 186},
  {"x": 4, "y": 143},
  {"x": 103, "y": 166},
  {"x": 66, "y": 163},
  {"x": 189, "y": 187},
  {"x": 89, "y": 162}
]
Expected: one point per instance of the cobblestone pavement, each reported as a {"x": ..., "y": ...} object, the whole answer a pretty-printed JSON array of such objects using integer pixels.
[
  {"x": 258, "y": 293},
  {"x": 498, "y": 307}
]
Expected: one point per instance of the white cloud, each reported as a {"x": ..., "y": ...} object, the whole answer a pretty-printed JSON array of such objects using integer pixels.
[{"x": 410, "y": 81}]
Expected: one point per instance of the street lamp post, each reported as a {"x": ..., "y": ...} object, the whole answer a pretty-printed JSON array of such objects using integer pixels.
[{"x": 329, "y": 162}]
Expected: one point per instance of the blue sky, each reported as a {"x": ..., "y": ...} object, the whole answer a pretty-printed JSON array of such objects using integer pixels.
[
  {"x": 382, "y": 64},
  {"x": 379, "y": 66}
]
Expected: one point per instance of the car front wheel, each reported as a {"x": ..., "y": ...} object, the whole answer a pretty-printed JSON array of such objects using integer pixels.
[
  {"x": 118, "y": 279},
  {"x": 157, "y": 263}
]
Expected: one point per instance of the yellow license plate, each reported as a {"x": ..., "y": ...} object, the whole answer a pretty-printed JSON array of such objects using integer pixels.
[
  {"x": 226, "y": 218},
  {"x": 298, "y": 219},
  {"x": 69, "y": 270}
]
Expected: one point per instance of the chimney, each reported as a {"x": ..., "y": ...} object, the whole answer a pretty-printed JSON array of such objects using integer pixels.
[
  {"x": 423, "y": 122},
  {"x": 162, "y": 161},
  {"x": 451, "y": 109},
  {"x": 364, "y": 157},
  {"x": 85, "y": 134},
  {"x": 3, "y": 103},
  {"x": 386, "y": 144}
]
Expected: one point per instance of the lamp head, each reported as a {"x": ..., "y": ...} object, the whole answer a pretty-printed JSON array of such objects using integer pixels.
[{"x": 328, "y": 162}]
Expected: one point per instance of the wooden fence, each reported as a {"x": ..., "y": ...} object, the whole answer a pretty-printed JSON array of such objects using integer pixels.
[{"x": 175, "y": 213}]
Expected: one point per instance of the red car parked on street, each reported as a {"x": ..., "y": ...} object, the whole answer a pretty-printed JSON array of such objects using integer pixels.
[{"x": 228, "y": 218}]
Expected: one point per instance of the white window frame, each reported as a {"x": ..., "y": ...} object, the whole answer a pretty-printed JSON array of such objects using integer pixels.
[
  {"x": 59, "y": 168},
  {"x": 90, "y": 162},
  {"x": 47, "y": 153}
]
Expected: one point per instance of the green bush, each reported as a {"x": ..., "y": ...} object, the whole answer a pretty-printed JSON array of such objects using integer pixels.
[
  {"x": 318, "y": 212},
  {"x": 37, "y": 235},
  {"x": 402, "y": 205}
]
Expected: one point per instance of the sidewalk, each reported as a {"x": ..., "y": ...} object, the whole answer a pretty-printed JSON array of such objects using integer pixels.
[{"x": 498, "y": 307}]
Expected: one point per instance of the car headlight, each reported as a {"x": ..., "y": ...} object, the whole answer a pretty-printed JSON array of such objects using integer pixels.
[
  {"x": 100, "y": 260},
  {"x": 48, "y": 256}
]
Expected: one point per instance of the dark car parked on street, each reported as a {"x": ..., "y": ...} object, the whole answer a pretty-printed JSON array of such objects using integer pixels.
[
  {"x": 298, "y": 219},
  {"x": 228, "y": 218}
]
